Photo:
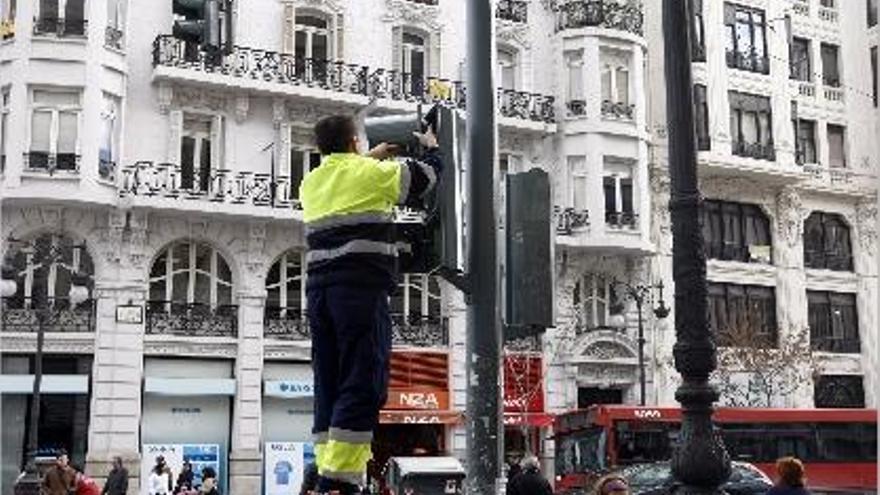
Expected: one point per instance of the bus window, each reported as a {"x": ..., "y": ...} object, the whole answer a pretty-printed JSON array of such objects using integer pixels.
[
  {"x": 638, "y": 443},
  {"x": 768, "y": 442},
  {"x": 591, "y": 450},
  {"x": 847, "y": 442}
]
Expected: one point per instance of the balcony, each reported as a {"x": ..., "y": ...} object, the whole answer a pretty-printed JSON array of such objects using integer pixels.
[
  {"x": 801, "y": 8},
  {"x": 570, "y": 221},
  {"x": 526, "y": 106},
  {"x": 627, "y": 17},
  {"x": 840, "y": 180},
  {"x": 806, "y": 89},
  {"x": 618, "y": 111},
  {"x": 576, "y": 108},
  {"x": 512, "y": 10},
  {"x": 20, "y": 315},
  {"x": 113, "y": 38},
  {"x": 191, "y": 319},
  {"x": 751, "y": 62},
  {"x": 285, "y": 324},
  {"x": 829, "y": 14},
  {"x": 621, "y": 220},
  {"x": 834, "y": 93},
  {"x": 43, "y": 161},
  {"x": 757, "y": 151},
  {"x": 54, "y": 26},
  {"x": 419, "y": 331}
]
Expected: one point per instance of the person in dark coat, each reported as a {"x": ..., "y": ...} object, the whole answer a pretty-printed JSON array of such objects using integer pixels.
[
  {"x": 791, "y": 478},
  {"x": 185, "y": 478},
  {"x": 117, "y": 479},
  {"x": 529, "y": 481},
  {"x": 310, "y": 480}
]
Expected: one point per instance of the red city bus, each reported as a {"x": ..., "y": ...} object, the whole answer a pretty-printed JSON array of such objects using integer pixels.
[{"x": 838, "y": 446}]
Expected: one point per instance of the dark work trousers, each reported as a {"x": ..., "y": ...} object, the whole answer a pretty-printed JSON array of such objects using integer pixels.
[{"x": 351, "y": 351}]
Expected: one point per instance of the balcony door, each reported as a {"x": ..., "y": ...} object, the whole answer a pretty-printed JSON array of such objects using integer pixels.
[
  {"x": 195, "y": 155},
  {"x": 312, "y": 47}
]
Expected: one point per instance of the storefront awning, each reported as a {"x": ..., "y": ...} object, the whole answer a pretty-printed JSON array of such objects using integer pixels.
[
  {"x": 420, "y": 417},
  {"x": 189, "y": 386},
  {"x": 538, "y": 420},
  {"x": 50, "y": 384}
]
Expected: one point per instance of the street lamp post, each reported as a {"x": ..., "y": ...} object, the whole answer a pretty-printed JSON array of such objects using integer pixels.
[
  {"x": 640, "y": 294},
  {"x": 29, "y": 484},
  {"x": 700, "y": 463}
]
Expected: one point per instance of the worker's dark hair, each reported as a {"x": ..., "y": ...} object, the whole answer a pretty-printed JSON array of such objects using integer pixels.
[{"x": 333, "y": 134}]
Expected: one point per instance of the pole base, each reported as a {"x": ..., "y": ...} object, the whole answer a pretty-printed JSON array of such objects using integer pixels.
[{"x": 28, "y": 484}]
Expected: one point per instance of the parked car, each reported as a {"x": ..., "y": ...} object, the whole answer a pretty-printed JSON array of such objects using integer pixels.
[{"x": 656, "y": 479}]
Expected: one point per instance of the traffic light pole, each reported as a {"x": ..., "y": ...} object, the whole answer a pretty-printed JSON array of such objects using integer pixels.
[{"x": 483, "y": 316}]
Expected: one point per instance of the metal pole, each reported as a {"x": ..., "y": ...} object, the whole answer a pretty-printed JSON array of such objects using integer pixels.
[
  {"x": 483, "y": 317},
  {"x": 639, "y": 302},
  {"x": 700, "y": 462},
  {"x": 29, "y": 484}
]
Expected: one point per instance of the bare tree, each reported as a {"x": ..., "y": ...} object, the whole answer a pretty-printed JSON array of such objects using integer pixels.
[{"x": 753, "y": 369}]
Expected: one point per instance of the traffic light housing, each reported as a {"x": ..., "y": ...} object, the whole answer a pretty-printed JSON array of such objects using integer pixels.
[{"x": 200, "y": 24}]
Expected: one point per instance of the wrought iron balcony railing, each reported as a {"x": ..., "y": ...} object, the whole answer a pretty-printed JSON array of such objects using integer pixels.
[
  {"x": 23, "y": 315},
  {"x": 576, "y": 108},
  {"x": 512, "y": 10},
  {"x": 419, "y": 331},
  {"x": 191, "y": 319},
  {"x": 751, "y": 62},
  {"x": 113, "y": 37},
  {"x": 609, "y": 14},
  {"x": 148, "y": 179},
  {"x": 285, "y": 324},
  {"x": 569, "y": 220},
  {"x": 615, "y": 110},
  {"x": 758, "y": 151},
  {"x": 60, "y": 27},
  {"x": 50, "y": 162},
  {"x": 621, "y": 219},
  {"x": 527, "y": 106}
]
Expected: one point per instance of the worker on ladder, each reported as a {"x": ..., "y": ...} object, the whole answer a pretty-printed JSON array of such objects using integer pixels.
[{"x": 351, "y": 262}]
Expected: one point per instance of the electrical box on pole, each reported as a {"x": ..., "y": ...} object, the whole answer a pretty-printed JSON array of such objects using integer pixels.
[{"x": 529, "y": 246}]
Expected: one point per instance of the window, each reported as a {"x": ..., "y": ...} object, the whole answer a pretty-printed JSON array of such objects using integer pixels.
[
  {"x": 617, "y": 185},
  {"x": 615, "y": 84},
  {"x": 830, "y": 65},
  {"x": 699, "y": 33},
  {"x": 743, "y": 315},
  {"x": 594, "y": 297},
  {"x": 736, "y": 232},
  {"x": 751, "y": 126},
  {"x": 285, "y": 287},
  {"x": 311, "y": 46},
  {"x": 108, "y": 154},
  {"x": 115, "y": 23},
  {"x": 805, "y": 139},
  {"x": 574, "y": 62},
  {"x": 746, "y": 39},
  {"x": 7, "y": 19},
  {"x": 579, "y": 188},
  {"x": 4, "y": 126},
  {"x": 834, "y": 322},
  {"x": 190, "y": 273},
  {"x": 701, "y": 116},
  {"x": 60, "y": 17},
  {"x": 413, "y": 61},
  {"x": 827, "y": 242},
  {"x": 800, "y": 60},
  {"x": 836, "y": 146},
  {"x": 54, "y": 137},
  {"x": 875, "y": 77},
  {"x": 844, "y": 391},
  {"x": 302, "y": 161},
  {"x": 872, "y": 12},
  {"x": 507, "y": 69},
  {"x": 417, "y": 297},
  {"x": 195, "y": 152}
]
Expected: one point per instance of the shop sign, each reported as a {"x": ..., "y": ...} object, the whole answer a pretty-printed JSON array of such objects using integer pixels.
[
  {"x": 130, "y": 313},
  {"x": 419, "y": 418},
  {"x": 200, "y": 455},
  {"x": 289, "y": 389},
  {"x": 418, "y": 400},
  {"x": 284, "y": 466}
]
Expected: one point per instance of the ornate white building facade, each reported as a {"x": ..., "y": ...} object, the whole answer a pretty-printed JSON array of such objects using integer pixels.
[{"x": 172, "y": 182}]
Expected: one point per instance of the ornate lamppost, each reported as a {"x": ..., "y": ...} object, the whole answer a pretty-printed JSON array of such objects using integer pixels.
[
  {"x": 699, "y": 462},
  {"x": 640, "y": 294},
  {"x": 29, "y": 483}
]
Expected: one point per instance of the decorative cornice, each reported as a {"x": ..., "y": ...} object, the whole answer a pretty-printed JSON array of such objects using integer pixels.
[
  {"x": 195, "y": 98},
  {"x": 80, "y": 343},
  {"x": 326, "y": 5},
  {"x": 203, "y": 347},
  {"x": 514, "y": 33},
  {"x": 413, "y": 14}
]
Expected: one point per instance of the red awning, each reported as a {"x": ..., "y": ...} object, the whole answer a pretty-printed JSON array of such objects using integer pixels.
[
  {"x": 417, "y": 417},
  {"x": 539, "y": 420}
]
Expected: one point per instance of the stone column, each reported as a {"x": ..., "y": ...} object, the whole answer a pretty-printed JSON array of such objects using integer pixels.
[
  {"x": 866, "y": 265},
  {"x": 245, "y": 459},
  {"x": 115, "y": 412}
]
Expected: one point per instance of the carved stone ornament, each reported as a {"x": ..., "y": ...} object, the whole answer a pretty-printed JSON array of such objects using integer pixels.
[
  {"x": 325, "y": 5},
  {"x": 308, "y": 114},
  {"x": 200, "y": 99},
  {"x": 414, "y": 14},
  {"x": 515, "y": 142},
  {"x": 513, "y": 33},
  {"x": 866, "y": 220},
  {"x": 790, "y": 216}
]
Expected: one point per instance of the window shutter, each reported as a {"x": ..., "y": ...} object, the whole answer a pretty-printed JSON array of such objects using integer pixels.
[
  {"x": 339, "y": 50},
  {"x": 288, "y": 29},
  {"x": 175, "y": 130},
  {"x": 217, "y": 142},
  {"x": 397, "y": 48}
]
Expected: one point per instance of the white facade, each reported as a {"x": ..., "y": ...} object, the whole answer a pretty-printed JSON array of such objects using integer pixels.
[{"x": 152, "y": 149}]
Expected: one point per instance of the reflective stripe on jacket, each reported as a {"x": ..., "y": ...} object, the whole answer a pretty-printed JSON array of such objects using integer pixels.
[{"x": 348, "y": 206}]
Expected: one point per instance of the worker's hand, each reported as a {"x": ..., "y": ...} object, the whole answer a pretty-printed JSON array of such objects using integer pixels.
[
  {"x": 384, "y": 151},
  {"x": 428, "y": 139}
]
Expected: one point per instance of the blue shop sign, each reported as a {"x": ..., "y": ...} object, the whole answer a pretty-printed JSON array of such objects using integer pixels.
[{"x": 289, "y": 389}]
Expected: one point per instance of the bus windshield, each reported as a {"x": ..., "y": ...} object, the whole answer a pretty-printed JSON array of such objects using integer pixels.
[
  {"x": 643, "y": 442},
  {"x": 579, "y": 452}
]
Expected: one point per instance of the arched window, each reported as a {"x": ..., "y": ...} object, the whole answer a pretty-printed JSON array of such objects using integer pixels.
[
  {"x": 44, "y": 270},
  {"x": 736, "y": 232},
  {"x": 417, "y": 297},
  {"x": 190, "y": 273},
  {"x": 508, "y": 68},
  {"x": 827, "y": 242},
  {"x": 285, "y": 285},
  {"x": 593, "y": 297}
]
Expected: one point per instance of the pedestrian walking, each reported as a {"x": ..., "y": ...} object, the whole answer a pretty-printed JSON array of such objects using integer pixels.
[
  {"x": 792, "y": 480},
  {"x": 612, "y": 484},
  {"x": 117, "y": 479},
  {"x": 159, "y": 482},
  {"x": 209, "y": 481},
  {"x": 348, "y": 204},
  {"x": 184, "y": 479},
  {"x": 529, "y": 481},
  {"x": 83, "y": 485},
  {"x": 60, "y": 478}
]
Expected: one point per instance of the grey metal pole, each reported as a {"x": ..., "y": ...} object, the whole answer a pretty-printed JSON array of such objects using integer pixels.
[
  {"x": 639, "y": 303},
  {"x": 700, "y": 462},
  {"x": 483, "y": 316}
]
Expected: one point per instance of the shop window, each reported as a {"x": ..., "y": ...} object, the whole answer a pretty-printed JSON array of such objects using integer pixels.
[
  {"x": 751, "y": 127},
  {"x": 830, "y": 65},
  {"x": 60, "y": 17},
  {"x": 736, "y": 232},
  {"x": 805, "y": 141},
  {"x": 827, "y": 243},
  {"x": 836, "y": 146},
  {"x": 743, "y": 315},
  {"x": 746, "y": 39},
  {"x": 834, "y": 322},
  {"x": 701, "y": 116},
  {"x": 801, "y": 69},
  {"x": 54, "y": 143},
  {"x": 840, "y": 391}
]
